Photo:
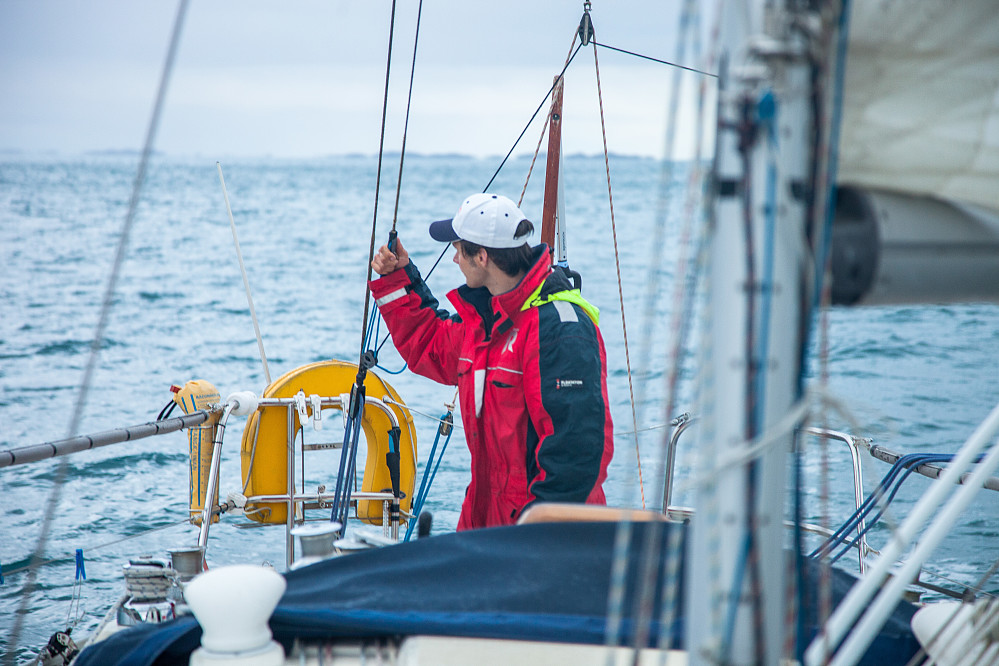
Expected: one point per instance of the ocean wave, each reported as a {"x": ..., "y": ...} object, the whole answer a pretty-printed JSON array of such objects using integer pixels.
[{"x": 916, "y": 377}]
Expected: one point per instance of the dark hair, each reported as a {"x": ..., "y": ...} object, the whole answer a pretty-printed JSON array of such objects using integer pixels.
[{"x": 511, "y": 260}]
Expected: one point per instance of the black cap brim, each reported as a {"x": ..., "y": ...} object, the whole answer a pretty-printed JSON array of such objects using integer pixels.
[{"x": 443, "y": 231}]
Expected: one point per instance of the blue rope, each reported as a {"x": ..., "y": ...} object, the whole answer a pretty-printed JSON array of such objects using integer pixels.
[
  {"x": 372, "y": 333},
  {"x": 767, "y": 112},
  {"x": 374, "y": 328},
  {"x": 883, "y": 507},
  {"x": 428, "y": 476},
  {"x": 908, "y": 463},
  {"x": 839, "y": 536},
  {"x": 890, "y": 485},
  {"x": 734, "y": 595},
  {"x": 393, "y": 372},
  {"x": 347, "y": 470}
]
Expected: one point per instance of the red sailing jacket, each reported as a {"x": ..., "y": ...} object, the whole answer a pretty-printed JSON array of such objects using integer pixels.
[{"x": 530, "y": 367}]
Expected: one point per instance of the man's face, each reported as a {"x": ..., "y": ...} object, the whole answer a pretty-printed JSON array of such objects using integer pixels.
[{"x": 473, "y": 267}]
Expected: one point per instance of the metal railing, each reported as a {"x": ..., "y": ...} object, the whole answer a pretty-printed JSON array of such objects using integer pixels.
[
  {"x": 682, "y": 422},
  {"x": 858, "y": 489},
  {"x": 297, "y": 503}
]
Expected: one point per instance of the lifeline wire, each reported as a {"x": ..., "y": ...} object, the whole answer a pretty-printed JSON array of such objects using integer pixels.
[
  {"x": 95, "y": 346},
  {"x": 537, "y": 151},
  {"x": 32, "y": 564},
  {"x": 867, "y": 604}
]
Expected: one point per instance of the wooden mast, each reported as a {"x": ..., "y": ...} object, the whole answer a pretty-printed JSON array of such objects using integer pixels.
[{"x": 549, "y": 213}]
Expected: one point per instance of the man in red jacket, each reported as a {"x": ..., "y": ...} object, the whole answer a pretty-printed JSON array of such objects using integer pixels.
[{"x": 525, "y": 352}]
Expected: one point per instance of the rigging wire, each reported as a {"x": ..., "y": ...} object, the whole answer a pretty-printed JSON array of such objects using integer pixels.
[
  {"x": 544, "y": 125},
  {"x": 834, "y": 38},
  {"x": 77, "y": 608},
  {"x": 533, "y": 116},
  {"x": 246, "y": 280},
  {"x": 617, "y": 265},
  {"x": 484, "y": 189},
  {"x": 682, "y": 314},
  {"x": 568, "y": 61},
  {"x": 98, "y": 339},
  {"x": 378, "y": 181},
  {"x": 830, "y": 39},
  {"x": 654, "y": 531},
  {"x": 663, "y": 62},
  {"x": 405, "y": 127},
  {"x": 685, "y": 291},
  {"x": 366, "y": 360},
  {"x": 513, "y": 147},
  {"x": 534, "y": 159},
  {"x": 402, "y": 159},
  {"x": 693, "y": 250},
  {"x": 574, "y": 50}
]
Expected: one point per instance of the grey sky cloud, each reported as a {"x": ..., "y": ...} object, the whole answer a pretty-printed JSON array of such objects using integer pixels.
[{"x": 302, "y": 79}]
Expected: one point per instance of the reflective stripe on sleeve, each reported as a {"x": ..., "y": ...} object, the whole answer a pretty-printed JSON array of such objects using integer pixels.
[{"x": 391, "y": 296}]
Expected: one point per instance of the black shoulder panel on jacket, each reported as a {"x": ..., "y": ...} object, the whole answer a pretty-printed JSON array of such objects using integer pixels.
[
  {"x": 572, "y": 394},
  {"x": 427, "y": 298}
]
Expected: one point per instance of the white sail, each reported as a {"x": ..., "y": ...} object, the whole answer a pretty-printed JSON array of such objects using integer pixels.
[{"x": 921, "y": 99}]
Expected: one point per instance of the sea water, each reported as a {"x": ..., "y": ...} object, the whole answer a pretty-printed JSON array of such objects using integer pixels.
[{"x": 916, "y": 378}]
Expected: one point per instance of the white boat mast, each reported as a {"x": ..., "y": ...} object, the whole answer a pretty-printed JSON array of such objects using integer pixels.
[{"x": 759, "y": 286}]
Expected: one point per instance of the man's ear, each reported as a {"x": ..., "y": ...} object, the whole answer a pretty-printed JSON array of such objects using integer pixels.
[{"x": 482, "y": 257}]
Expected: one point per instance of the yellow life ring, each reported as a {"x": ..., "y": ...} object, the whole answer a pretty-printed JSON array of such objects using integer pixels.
[{"x": 265, "y": 471}]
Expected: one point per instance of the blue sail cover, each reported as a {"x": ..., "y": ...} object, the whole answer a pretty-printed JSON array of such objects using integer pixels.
[{"x": 544, "y": 582}]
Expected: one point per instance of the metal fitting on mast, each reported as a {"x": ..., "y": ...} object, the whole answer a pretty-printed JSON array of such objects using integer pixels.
[{"x": 585, "y": 30}]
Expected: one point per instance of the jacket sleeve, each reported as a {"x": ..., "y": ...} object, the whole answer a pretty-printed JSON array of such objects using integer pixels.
[
  {"x": 428, "y": 338},
  {"x": 565, "y": 388}
]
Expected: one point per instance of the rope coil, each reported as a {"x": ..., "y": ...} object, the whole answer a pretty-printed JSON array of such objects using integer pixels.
[{"x": 148, "y": 581}]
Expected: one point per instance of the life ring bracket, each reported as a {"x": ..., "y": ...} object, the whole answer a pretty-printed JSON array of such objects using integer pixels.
[{"x": 268, "y": 463}]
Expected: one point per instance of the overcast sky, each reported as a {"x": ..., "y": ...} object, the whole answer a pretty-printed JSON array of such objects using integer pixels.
[{"x": 299, "y": 79}]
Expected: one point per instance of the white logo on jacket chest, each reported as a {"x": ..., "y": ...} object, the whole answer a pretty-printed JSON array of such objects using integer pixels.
[
  {"x": 568, "y": 383},
  {"x": 510, "y": 339}
]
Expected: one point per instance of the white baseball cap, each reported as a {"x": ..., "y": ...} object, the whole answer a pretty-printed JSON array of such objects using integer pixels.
[{"x": 489, "y": 220}]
